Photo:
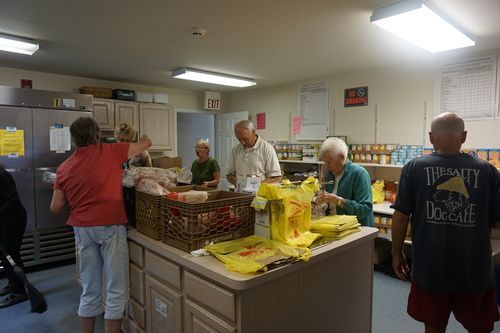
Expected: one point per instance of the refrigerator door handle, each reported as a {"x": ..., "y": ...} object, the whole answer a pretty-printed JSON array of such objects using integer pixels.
[{"x": 18, "y": 170}]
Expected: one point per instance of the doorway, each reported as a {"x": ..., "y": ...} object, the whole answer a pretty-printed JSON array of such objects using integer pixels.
[{"x": 192, "y": 126}]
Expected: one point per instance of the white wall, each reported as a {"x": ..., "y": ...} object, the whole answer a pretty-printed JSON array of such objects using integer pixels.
[
  {"x": 401, "y": 95},
  {"x": 56, "y": 82}
]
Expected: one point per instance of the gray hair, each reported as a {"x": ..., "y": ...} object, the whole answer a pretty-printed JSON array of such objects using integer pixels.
[
  {"x": 335, "y": 146},
  {"x": 247, "y": 124},
  {"x": 204, "y": 143}
]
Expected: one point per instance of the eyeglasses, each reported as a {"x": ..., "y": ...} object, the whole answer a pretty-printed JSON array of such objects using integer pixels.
[{"x": 200, "y": 147}]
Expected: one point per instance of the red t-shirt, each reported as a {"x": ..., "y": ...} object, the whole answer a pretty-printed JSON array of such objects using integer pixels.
[{"x": 91, "y": 181}]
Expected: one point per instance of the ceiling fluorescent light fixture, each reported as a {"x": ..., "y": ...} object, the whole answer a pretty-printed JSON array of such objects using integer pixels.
[
  {"x": 209, "y": 77},
  {"x": 18, "y": 44},
  {"x": 418, "y": 24}
]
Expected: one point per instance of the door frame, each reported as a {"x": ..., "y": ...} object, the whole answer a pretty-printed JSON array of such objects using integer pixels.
[
  {"x": 174, "y": 151},
  {"x": 234, "y": 116}
]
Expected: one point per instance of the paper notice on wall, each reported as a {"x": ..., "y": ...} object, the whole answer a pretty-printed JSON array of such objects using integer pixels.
[
  {"x": 313, "y": 104},
  {"x": 261, "y": 121},
  {"x": 296, "y": 124},
  {"x": 11, "y": 142},
  {"x": 60, "y": 138}
]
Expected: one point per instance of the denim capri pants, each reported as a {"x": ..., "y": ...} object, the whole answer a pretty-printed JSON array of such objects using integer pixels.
[{"x": 103, "y": 269}]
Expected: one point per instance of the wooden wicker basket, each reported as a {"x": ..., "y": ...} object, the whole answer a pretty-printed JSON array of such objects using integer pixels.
[{"x": 97, "y": 92}]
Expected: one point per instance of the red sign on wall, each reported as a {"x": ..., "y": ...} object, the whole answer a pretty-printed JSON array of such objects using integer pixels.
[
  {"x": 355, "y": 97},
  {"x": 261, "y": 121}
]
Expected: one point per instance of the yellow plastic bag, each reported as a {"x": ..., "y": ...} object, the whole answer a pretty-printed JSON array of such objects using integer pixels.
[
  {"x": 378, "y": 191},
  {"x": 290, "y": 221},
  {"x": 255, "y": 254}
]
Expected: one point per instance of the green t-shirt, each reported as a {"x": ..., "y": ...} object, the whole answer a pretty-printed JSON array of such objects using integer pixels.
[{"x": 204, "y": 171}]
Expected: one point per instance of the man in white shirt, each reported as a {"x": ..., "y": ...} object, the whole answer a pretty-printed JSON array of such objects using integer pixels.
[{"x": 252, "y": 157}]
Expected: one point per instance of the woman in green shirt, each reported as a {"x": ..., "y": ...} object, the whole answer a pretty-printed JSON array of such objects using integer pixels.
[
  {"x": 350, "y": 190},
  {"x": 205, "y": 170}
]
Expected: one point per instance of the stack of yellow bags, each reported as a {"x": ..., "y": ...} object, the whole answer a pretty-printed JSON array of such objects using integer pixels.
[
  {"x": 335, "y": 226},
  {"x": 255, "y": 254}
]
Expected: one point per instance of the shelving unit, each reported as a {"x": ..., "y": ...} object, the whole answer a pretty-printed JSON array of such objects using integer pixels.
[
  {"x": 302, "y": 166},
  {"x": 377, "y": 165},
  {"x": 382, "y": 250}
]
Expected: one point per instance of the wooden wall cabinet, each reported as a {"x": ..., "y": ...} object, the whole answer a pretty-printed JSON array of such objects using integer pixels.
[
  {"x": 104, "y": 113},
  {"x": 156, "y": 121},
  {"x": 127, "y": 112}
]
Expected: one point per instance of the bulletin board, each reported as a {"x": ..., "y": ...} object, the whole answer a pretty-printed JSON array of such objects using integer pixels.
[{"x": 313, "y": 104}]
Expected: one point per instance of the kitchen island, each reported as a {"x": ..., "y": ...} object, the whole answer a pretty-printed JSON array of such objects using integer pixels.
[{"x": 172, "y": 291}]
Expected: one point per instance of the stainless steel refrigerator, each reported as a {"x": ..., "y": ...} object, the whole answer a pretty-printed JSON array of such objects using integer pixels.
[{"x": 34, "y": 134}]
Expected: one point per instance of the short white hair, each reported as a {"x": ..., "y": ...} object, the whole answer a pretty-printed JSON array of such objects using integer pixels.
[
  {"x": 246, "y": 124},
  {"x": 335, "y": 146},
  {"x": 204, "y": 143}
]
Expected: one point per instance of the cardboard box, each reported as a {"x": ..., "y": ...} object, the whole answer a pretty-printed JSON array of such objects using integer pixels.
[
  {"x": 167, "y": 162},
  {"x": 144, "y": 97},
  {"x": 263, "y": 231},
  {"x": 160, "y": 98},
  {"x": 263, "y": 217}
]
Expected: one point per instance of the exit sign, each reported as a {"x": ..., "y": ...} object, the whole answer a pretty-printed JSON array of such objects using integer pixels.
[{"x": 212, "y": 100}]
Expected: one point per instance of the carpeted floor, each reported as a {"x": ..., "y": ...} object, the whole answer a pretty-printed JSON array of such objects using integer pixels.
[{"x": 62, "y": 294}]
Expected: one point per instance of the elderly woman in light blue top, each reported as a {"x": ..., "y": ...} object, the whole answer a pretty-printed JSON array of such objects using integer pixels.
[{"x": 350, "y": 192}]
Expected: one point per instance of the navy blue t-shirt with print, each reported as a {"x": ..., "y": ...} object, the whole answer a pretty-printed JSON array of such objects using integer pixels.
[{"x": 453, "y": 201}]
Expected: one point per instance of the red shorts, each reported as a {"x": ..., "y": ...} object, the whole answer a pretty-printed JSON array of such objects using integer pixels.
[{"x": 476, "y": 312}]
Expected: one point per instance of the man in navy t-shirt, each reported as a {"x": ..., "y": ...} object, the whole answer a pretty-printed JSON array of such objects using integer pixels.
[{"x": 452, "y": 200}]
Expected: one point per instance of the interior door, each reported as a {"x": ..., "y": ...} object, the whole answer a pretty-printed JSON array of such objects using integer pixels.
[
  {"x": 190, "y": 128},
  {"x": 225, "y": 141}
]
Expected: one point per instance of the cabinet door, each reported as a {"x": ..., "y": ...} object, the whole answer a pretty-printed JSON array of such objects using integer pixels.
[
  {"x": 163, "y": 307},
  {"x": 156, "y": 121},
  {"x": 127, "y": 112},
  {"x": 199, "y": 320},
  {"x": 104, "y": 113}
]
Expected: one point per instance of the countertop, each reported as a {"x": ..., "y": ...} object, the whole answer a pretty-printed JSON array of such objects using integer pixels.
[{"x": 211, "y": 268}]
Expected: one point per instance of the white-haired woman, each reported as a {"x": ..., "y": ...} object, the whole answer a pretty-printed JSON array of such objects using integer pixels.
[
  {"x": 350, "y": 193},
  {"x": 205, "y": 170}
]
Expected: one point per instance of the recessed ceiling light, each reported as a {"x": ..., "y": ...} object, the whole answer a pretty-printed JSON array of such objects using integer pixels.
[
  {"x": 210, "y": 77},
  {"x": 420, "y": 25},
  {"x": 18, "y": 44}
]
